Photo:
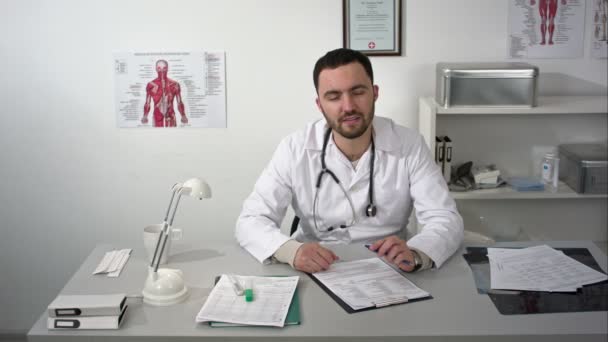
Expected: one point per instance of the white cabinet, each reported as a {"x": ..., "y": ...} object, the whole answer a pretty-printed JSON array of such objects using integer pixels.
[{"x": 514, "y": 139}]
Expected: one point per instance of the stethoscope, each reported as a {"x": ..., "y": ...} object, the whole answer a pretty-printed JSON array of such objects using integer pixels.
[{"x": 370, "y": 211}]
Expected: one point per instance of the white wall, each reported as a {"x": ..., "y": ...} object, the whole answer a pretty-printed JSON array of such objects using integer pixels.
[{"x": 70, "y": 179}]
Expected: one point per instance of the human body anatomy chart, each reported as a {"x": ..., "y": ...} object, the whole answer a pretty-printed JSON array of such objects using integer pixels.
[
  {"x": 170, "y": 89},
  {"x": 599, "y": 29},
  {"x": 546, "y": 28}
]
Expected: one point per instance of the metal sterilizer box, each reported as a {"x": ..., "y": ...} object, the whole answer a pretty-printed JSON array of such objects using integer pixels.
[
  {"x": 486, "y": 84},
  {"x": 583, "y": 167}
]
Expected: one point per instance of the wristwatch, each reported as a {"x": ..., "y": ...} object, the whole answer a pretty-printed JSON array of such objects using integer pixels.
[{"x": 417, "y": 261}]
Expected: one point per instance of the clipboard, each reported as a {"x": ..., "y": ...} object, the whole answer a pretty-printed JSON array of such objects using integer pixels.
[{"x": 351, "y": 310}]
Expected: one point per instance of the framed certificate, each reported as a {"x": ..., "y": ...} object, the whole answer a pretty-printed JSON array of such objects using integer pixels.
[{"x": 373, "y": 27}]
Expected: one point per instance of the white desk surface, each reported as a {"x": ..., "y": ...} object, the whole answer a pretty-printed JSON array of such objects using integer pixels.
[{"x": 456, "y": 312}]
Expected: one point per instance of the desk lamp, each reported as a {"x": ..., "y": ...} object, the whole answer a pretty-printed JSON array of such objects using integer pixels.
[{"x": 166, "y": 286}]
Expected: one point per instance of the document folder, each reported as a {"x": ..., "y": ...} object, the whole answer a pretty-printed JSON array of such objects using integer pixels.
[
  {"x": 87, "y": 305},
  {"x": 293, "y": 315},
  {"x": 86, "y": 322},
  {"x": 447, "y": 159},
  {"x": 439, "y": 151}
]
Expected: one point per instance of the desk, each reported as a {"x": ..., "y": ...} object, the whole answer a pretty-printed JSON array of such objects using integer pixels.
[{"x": 456, "y": 313}]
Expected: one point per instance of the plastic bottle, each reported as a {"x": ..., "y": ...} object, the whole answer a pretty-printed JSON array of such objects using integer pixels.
[{"x": 550, "y": 171}]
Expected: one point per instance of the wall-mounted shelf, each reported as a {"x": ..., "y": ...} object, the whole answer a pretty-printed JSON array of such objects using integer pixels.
[
  {"x": 546, "y": 105},
  {"x": 506, "y": 192}
]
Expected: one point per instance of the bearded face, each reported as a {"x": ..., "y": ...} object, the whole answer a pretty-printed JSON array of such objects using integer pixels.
[{"x": 347, "y": 99}]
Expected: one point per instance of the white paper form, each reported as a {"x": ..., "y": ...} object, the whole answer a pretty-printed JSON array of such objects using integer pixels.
[
  {"x": 368, "y": 282},
  {"x": 533, "y": 275},
  {"x": 272, "y": 298},
  {"x": 538, "y": 268},
  {"x": 529, "y": 269}
]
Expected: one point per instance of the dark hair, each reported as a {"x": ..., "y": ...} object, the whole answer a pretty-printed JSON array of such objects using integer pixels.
[{"x": 339, "y": 57}]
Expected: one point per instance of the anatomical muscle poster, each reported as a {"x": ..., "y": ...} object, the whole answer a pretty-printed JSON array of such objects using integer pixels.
[{"x": 170, "y": 89}]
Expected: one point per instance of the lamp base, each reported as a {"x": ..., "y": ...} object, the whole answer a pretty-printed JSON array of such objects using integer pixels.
[{"x": 165, "y": 287}]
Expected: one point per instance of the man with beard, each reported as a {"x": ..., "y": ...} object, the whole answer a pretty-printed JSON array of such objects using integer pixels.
[{"x": 351, "y": 178}]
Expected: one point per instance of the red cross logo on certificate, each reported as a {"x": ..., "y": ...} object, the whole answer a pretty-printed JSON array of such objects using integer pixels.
[{"x": 371, "y": 45}]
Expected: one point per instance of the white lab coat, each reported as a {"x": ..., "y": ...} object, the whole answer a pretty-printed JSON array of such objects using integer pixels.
[{"x": 405, "y": 174}]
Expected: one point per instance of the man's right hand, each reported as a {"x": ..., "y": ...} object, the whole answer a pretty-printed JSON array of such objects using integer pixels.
[
  {"x": 312, "y": 257},
  {"x": 144, "y": 120}
]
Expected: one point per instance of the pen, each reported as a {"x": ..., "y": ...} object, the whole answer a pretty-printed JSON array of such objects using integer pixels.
[
  {"x": 236, "y": 286},
  {"x": 405, "y": 262}
]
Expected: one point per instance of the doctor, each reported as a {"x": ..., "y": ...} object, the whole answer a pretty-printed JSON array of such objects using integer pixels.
[{"x": 351, "y": 178}]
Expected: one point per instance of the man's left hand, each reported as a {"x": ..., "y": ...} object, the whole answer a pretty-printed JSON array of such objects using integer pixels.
[{"x": 395, "y": 251}]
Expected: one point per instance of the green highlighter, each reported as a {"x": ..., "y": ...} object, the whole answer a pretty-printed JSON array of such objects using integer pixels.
[
  {"x": 238, "y": 289},
  {"x": 249, "y": 295},
  {"x": 249, "y": 290}
]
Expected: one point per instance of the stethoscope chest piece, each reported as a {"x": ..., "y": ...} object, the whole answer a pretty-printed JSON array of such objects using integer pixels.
[{"x": 370, "y": 211}]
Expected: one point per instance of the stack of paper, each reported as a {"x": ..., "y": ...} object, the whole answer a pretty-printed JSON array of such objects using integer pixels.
[
  {"x": 538, "y": 268},
  {"x": 271, "y": 303}
]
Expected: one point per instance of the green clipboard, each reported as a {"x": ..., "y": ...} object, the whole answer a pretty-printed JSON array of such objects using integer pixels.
[{"x": 293, "y": 314}]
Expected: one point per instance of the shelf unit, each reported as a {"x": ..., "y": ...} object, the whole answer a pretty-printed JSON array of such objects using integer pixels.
[
  {"x": 546, "y": 105},
  {"x": 514, "y": 139},
  {"x": 506, "y": 192}
]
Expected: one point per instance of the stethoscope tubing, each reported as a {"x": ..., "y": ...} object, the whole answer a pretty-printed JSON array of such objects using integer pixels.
[{"x": 370, "y": 209}]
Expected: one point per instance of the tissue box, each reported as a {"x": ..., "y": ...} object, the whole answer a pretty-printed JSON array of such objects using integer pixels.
[
  {"x": 583, "y": 167},
  {"x": 486, "y": 84}
]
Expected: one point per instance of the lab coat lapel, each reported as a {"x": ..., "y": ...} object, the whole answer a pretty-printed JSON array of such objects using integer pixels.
[
  {"x": 339, "y": 164},
  {"x": 362, "y": 172}
]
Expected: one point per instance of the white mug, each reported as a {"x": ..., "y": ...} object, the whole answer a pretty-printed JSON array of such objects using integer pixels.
[{"x": 151, "y": 234}]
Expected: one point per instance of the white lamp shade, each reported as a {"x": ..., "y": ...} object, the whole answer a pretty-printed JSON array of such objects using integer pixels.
[{"x": 196, "y": 187}]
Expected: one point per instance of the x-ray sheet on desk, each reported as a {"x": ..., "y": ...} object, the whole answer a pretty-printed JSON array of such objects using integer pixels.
[
  {"x": 512, "y": 302},
  {"x": 538, "y": 268}
]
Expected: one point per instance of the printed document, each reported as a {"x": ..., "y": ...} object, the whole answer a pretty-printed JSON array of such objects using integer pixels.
[
  {"x": 538, "y": 268},
  {"x": 272, "y": 297},
  {"x": 368, "y": 283}
]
